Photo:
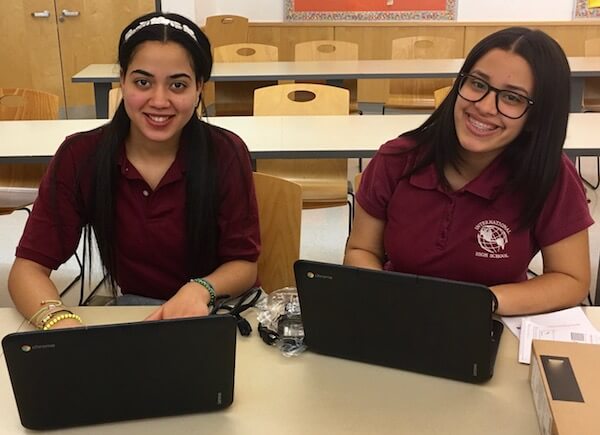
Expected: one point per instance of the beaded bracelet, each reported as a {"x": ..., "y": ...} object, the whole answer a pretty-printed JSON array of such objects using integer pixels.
[
  {"x": 54, "y": 320},
  {"x": 208, "y": 286},
  {"x": 50, "y": 315}
]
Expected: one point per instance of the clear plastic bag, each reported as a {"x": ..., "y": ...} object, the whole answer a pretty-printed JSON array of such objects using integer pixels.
[{"x": 280, "y": 323}]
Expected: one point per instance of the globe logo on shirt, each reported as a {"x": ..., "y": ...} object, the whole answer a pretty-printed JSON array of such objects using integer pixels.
[{"x": 492, "y": 238}]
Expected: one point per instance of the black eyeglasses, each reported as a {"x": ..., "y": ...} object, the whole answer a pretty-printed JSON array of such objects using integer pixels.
[{"x": 509, "y": 103}]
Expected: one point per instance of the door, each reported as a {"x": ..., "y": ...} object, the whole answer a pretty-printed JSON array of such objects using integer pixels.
[
  {"x": 89, "y": 32},
  {"x": 29, "y": 49}
]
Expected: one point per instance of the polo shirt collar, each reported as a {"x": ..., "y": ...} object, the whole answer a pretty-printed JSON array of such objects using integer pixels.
[
  {"x": 487, "y": 185},
  {"x": 175, "y": 172}
]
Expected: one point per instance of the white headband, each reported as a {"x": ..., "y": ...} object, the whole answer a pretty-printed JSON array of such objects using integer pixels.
[{"x": 163, "y": 21}]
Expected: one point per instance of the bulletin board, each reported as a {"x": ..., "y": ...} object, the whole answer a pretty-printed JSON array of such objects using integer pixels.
[
  {"x": 370, "y": 10},
  {"x": 586, "y": 9}
]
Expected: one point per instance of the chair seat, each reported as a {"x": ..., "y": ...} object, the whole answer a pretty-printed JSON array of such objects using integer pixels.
[
  {"x": 14, "y": 198},
  {"x": 591, "y": 105},
  {"x": 400, "y": 101}
]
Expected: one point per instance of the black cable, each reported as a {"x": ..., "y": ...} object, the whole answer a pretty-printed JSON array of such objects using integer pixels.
[{"x": 235, "y": 306}]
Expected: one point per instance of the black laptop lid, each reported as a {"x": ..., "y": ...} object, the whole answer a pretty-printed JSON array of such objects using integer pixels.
[
  {"x": 80, "y": 376},
  {"x": 416, "y": 323}
]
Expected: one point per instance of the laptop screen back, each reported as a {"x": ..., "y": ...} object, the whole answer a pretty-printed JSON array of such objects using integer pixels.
[
  {"x": 416, "y": 323},
  {"x": 80, "y": 376}
]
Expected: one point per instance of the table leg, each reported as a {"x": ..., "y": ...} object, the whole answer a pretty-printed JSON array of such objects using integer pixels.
[
  {"x": 577, "y": 84},
  {"x": 101, "y": 96},
  {"x": 335, "y": 82}
]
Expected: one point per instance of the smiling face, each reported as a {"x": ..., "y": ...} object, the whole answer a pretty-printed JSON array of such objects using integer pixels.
[
  {"x": 482, "y": 131},
  {"x": 160, "y": 93}
]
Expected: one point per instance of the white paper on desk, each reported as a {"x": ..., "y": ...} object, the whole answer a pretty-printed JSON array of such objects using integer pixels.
[
  {"x": 532, "y": 331},
  {"x": 573, "y": 317}
]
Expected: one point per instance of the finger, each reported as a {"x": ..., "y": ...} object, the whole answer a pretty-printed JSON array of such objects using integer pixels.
[{"x": 156, "y": 315}]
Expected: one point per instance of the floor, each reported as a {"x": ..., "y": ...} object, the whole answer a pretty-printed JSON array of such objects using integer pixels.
[{"x": 324, "y": 233}]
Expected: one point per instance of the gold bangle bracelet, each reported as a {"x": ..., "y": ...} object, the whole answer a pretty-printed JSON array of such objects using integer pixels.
[
  {"x": 55, "y": 319},
  {"x": 46, "y": 306}
]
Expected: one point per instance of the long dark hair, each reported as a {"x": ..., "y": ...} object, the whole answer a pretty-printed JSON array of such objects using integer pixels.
[
  {"x": 196, "y": 144},
  {"x": 534, "y": 155}
]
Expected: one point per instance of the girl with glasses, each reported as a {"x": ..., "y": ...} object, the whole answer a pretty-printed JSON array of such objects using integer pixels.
[{"x": 482, "y": 186}]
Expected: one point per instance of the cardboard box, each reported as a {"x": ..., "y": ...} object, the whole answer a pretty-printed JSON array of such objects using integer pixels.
[{"x": 565, "y": 382}]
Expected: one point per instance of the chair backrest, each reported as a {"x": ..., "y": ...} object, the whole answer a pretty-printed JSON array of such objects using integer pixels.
[
  {"x": 439, "y": 95},
  {"x": 357, "y": 179},
  {"x": 422, "y": 47},
  {"x": 226, "y": 29},
  {"x": 324, "y": 181},
  {"x": 592, "y": 47},
  {"x": 326, "y": 50},
  {"x": 114, "y": 99},
  {"x": 245, "y": 52},
  {"x": 27, "y": 104},
  {"x": 279, "y": 212},
  {"x": 237, "y": 98},
  {"x": 591, "y": 93},
  {"x": 301, "y": 99}
]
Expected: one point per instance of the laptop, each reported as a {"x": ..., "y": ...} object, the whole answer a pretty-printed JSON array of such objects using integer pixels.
[
  {"x": 417, "y": 323},
  {"x": 96, "y": 374}
]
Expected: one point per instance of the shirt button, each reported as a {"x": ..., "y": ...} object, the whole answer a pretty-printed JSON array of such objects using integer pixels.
[{"x": 145, "y": 192}]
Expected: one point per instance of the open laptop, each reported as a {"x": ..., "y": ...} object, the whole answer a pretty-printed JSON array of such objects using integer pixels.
[
  {"x": 417, "y": 323},
  {"x": 96, "y": 374}
]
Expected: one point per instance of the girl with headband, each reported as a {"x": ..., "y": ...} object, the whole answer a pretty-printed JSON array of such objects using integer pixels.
[{"x": 170, "y": 198}]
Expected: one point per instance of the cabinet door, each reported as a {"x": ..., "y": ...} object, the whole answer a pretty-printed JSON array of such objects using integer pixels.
[
  {"x": 89, "y": 32},
  {"x": 29, "y": 49}
]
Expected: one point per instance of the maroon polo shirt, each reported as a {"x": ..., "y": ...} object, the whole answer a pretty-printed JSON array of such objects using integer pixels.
[
  {"x": 150, "y": 224},
  {"x": 471, "y": 234}
]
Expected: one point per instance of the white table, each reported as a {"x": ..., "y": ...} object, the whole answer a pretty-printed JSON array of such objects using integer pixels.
[
  {"x": 277, "y": 136},
  {"x": 103, "y": 75},
  {"x": 313, "y": 394}
]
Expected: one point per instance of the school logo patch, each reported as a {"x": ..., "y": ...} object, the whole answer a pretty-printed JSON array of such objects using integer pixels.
[{"x": 492, "y": 237}]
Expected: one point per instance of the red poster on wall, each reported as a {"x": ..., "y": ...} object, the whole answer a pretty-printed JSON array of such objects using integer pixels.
[{"x": 370, "y": 10}]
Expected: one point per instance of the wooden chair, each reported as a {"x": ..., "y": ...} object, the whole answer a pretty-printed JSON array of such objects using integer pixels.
[
  {"x": 114, "y": 99},
  {"x": 439, "y": 95},
  {"x": 226, "y": 29},
  {"x": 591, "y": 103},
  {"x": 591, "y": 92},
  {"x": 279, "y": 212},
  {"x": 331, "y": 50},
  {"x": 236, "y": 98},
  {"x": 324, "y": 181},
  {"x": 417, "y": 94},
  {"x": 19, "y": 182}
]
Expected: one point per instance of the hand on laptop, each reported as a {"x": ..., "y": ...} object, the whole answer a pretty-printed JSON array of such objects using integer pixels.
[{"x": 187, "y": 302}]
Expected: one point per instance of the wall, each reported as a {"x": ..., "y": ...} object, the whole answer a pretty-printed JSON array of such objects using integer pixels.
[
  {"x": 468, "y": 10},
  {"x": 515, "y": 10}
]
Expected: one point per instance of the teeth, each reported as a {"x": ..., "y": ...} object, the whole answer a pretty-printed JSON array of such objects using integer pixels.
[
  {"x": 158, "y": 118},
  {"x": 481, "y": 125}
]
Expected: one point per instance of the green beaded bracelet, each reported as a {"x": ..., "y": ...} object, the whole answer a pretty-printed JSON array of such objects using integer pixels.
[{"x": 208, "y": 286}]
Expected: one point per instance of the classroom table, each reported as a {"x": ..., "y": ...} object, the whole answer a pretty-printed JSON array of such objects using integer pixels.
[
  {"x": 103, "y": 75},
  {"x": 314, "y": 394},
  {"x": 269, "y": 137}
]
